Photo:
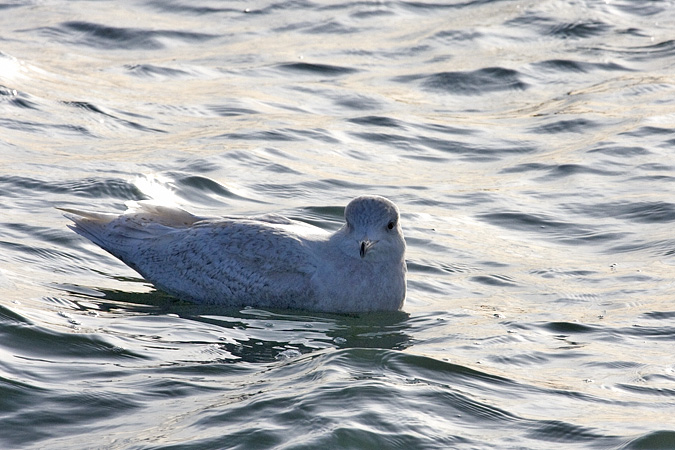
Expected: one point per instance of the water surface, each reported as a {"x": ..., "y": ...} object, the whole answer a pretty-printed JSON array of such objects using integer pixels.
[{"x": 527, "y": 144}]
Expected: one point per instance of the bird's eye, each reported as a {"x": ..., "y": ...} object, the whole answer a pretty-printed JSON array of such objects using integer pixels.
[{"x": 391, "y": 225}]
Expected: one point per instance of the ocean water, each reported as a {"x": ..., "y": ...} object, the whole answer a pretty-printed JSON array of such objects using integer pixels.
[{"x": 530, "y": 146}]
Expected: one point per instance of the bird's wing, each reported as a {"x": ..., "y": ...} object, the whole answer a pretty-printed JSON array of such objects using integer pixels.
[
  {"x": 242, "y": 261},
  {"x": 220, "y": 261},
  {"x": 169, "y": 216}
]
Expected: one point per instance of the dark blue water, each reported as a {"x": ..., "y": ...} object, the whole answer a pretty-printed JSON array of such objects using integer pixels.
[{"x": 529, "y": 146}]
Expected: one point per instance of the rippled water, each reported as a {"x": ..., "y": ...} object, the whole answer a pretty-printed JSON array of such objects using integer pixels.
[{"x": 528, "y": 144}]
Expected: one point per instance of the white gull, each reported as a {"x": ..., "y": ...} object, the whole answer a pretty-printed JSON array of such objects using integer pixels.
[{"x": 265, "y": 261}]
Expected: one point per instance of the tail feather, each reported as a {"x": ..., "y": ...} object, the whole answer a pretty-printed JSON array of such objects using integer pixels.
[
  {"x": 77, "y": 214},
  {"x": 91, "y": 225},
  {"x": 121, "y": 234}
]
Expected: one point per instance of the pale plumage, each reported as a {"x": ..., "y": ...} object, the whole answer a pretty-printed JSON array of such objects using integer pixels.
[{"x": 266, "y": 261}]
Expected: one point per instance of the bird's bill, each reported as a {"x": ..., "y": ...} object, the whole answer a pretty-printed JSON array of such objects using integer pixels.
[{"x": 364, "y": 246}]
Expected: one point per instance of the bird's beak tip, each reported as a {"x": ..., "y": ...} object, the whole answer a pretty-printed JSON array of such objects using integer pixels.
[{"x": 364, "y": 246}]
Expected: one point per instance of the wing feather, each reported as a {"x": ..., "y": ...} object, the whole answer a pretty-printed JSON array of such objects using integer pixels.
[
  {"x": 244, "y": 260},
  {"x": 267, "y": 261}
]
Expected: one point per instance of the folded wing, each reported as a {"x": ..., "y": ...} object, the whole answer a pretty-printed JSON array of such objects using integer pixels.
[{"x": 260, "y": 261}]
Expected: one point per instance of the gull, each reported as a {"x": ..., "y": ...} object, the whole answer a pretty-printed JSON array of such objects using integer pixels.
[{"x": 266, "y": 261}]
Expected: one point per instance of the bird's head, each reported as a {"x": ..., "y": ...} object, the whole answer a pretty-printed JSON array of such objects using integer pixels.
[{"x": 372, "y": 230}]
